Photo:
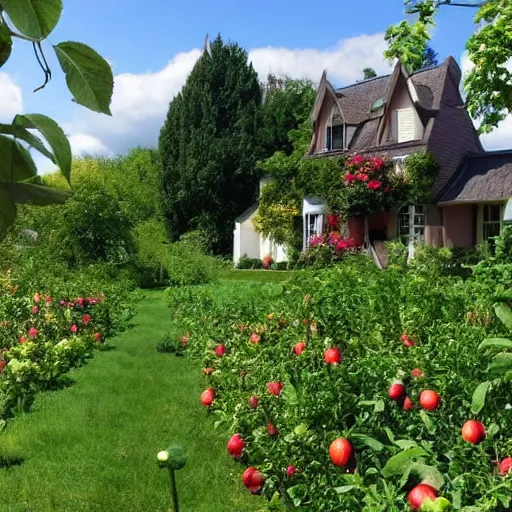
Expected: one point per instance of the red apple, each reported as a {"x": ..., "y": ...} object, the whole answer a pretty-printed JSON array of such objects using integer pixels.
[
  {"x": 341, "y": 451},
  {"x": 396, "y": 391},
  {"x": 236, "y": 446},
  {"x": 298, "y": 348},
  {"x": 429, "y": 400},
  {"x": 473, "y": 432},
  {"x": 419, "y": 494},
  {"x": 207, "y": 397},
  {"x": 332, "y": 355},
  {"x": 220, "y": 350}
]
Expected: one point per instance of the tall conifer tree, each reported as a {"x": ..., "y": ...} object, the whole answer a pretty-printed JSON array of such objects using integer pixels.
[{"x": 209, "y": 146}]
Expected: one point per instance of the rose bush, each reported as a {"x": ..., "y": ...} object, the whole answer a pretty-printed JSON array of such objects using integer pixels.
[{"x": 397, "y": 443}]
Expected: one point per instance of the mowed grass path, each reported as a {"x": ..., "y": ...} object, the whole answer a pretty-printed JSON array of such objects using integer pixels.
[{"x": 92, "y": 446}]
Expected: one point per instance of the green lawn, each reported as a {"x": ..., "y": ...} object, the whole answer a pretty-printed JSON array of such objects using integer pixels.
[{"x": 92, "y": 446}]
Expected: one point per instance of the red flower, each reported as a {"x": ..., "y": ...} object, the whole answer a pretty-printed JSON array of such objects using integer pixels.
[
  {"x": 334, "y": 238},
  {"x": 333, "y": 221},
  {"x": 349, "y": 178},
  {"x": 255, "y": 338},
  {"x": 48, "y": 299},
  {"x": 378, "y": 163},
  {"x": 37, "y": 298},
  {"x": 417, "y": 373},
  {"x": 356, "y": 160},
  {"x": 32, "y": 332},
  {"x": 80, "y": 302},
  {"x": 97, "y": 336},
  {"x": 73, "y": 328},
  {"x": 23, "y": 339},
  {"x": 342, "y": 245},
  {"x": 363, "y": 177},
  {"x": 35, "y": 310},
  {"x": 374, "y": 184},
  {"x": 86, "y": 319}
]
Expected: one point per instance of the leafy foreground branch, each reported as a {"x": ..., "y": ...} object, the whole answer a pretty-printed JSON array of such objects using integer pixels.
[{"x": 90, "y": 80}]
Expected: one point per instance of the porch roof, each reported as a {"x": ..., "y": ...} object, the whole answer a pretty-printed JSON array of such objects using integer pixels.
[{"x": 481, "y": 177}]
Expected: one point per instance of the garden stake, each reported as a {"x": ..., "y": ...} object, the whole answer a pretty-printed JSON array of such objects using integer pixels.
[{"x": 174, "y": 491}]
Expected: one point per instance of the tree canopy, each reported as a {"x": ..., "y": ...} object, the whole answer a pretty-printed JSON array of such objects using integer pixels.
[
  {"x": 489, "y": 83},
  {"x": 209, "y": 146}
]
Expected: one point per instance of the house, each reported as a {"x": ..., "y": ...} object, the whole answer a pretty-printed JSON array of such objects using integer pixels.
[
  {"x": 247, "y": 241},
  {"x": 399, "y": 114}
]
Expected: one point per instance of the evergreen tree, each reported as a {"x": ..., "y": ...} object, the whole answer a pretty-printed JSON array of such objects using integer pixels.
[{"x": 209, "y": 146}]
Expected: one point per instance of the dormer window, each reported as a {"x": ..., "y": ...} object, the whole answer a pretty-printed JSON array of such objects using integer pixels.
[
  {"x": 405, "y": 126},
  {"x": 335, "y": 132}
]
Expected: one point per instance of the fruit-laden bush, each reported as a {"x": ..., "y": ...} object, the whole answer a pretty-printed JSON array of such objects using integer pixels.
[
  {"x": 361, "y": 381},
  {"x": 172, "y": 344},
  {"x": 48, "y": 330}
]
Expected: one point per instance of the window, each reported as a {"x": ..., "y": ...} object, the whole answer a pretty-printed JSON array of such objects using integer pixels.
[
  {"x": 411, "y": 224},
  {"x": 314, "y": 226},
  {"x": 492, "y": 220},
  {"x": 335, "y": 132}
]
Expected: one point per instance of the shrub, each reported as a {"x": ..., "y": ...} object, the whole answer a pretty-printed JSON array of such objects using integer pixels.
[
  {"x": 187, "y": 264},
  {"x": 246, "y": 263},
  {"x": 417, "y": 325},
  {"x": 172, "y": 344}
]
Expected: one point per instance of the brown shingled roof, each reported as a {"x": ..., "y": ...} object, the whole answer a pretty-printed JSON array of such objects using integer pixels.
[{"x": 481, "y": 177}]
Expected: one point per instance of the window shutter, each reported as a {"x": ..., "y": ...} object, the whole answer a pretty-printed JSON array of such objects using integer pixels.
[{"x": 405, "y": 125}]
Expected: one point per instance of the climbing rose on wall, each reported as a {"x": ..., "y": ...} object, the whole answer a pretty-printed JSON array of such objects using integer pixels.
[{"x": 369, "y": 186}]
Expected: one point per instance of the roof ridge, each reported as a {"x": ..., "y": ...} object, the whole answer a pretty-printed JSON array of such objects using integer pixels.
[
  {"x": 362, "y": 82},
  {"x": 428, "y": 68}
]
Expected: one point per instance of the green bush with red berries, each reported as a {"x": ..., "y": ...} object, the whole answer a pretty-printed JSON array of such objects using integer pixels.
[
  {"x": 353, "y": 389},
  {"x": 44, "y": 335}
]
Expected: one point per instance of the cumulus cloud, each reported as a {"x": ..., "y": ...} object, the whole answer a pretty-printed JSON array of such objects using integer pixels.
[
  {"x": 141, "y": 101},
  {"x": 11, "y": 102},
  {"x": 501, "y": 137}
]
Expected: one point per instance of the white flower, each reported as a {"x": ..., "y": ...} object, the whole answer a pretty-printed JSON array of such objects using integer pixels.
[
  {"x": 508, "y": 407},
  {"x": 162, "y": 456}
]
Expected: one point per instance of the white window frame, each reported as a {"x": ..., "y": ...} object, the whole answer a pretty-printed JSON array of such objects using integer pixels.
[
  {"x": 314, "y": 226},
  {"x": 411, "y": 212}
]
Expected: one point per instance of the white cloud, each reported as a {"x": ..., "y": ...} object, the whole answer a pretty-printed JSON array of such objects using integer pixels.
[
  {"x": 501, "y": 137},
  {"x": 11, "y": 102},
  {"x": 83, "y": 143},
  {"x": 141, "y": 101}
]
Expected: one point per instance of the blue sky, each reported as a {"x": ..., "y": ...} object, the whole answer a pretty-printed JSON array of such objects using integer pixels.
[{"x": 153, "y": 44}]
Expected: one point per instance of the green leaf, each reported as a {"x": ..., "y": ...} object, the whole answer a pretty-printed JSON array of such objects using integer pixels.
[
  {"x": 368, "y": 441},
  {"x": 34, "y": 18},
  {"x": 16, "y": 163},
  {"x": 390, "y": 435},
  {"x": 479, "y": 395},
  {"x": 21, "y": 133},
  {"x": 7, "y": 211},
  {"x": 27, "y": 193},
  {"x": 177, "y": 457},
  {"x": 426, "y": 420},
  {"x": 495, "y": 343},
  {"x": 504, "y": 313},
  {"x": 344, "y": 488},
  {"x": 500, "y": 365},
  {"x": 5, "y": 44},
  {"x": 397, "y": 464},
  {"x": 53, "y": 133},
  {"x": 437, "y": 505},
  {"x": 428, "y": 474},
  {"x": 406, "y": 443},
  {"x": 88, "y": 75}
]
